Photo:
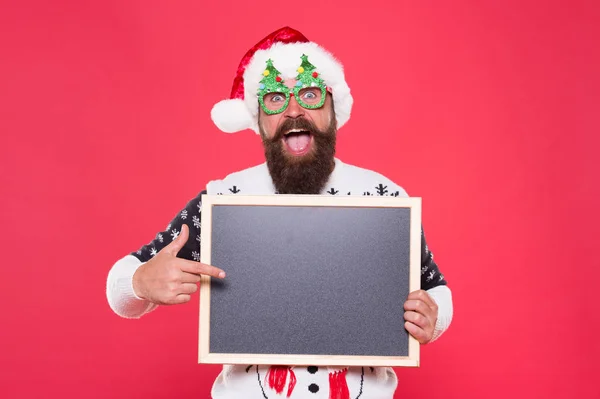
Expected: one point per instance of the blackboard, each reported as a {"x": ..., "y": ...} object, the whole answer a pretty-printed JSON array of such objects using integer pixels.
[{"x": 311, "y": 280}]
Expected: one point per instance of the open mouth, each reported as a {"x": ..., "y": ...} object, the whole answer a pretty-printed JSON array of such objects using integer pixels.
[{"x": 297, "y": 141}]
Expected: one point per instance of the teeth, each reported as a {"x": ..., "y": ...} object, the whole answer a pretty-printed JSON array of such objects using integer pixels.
[{"x": 294, "y": 131}]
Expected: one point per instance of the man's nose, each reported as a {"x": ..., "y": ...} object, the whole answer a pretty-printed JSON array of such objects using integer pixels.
[{"x": 294, "y": 110}]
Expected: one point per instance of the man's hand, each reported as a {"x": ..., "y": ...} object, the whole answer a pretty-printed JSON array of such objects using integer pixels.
[
  {"x": 421, "y": 315},
  {"x": 168, "y": 280}
]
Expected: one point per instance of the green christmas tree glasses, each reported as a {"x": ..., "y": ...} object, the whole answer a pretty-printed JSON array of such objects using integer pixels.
[{"x": 274, "y": 95}]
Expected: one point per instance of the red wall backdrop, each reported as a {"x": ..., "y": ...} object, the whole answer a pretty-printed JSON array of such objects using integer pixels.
[{"x": 487, "y": 110}]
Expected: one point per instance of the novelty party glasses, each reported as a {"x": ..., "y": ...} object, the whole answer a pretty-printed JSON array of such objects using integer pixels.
[{"x": 274, "y": 95}]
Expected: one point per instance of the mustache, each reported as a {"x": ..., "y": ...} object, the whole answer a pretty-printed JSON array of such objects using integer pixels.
[{"x": 297, "y": 123}]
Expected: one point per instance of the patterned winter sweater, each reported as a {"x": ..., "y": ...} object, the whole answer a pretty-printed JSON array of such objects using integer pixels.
[{"x": 262, "y": 382}]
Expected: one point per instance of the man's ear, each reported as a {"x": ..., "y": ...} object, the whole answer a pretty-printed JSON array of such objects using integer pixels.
[
  {"x": 261, "y": 131},
  {"x": 333, "y": 118}
]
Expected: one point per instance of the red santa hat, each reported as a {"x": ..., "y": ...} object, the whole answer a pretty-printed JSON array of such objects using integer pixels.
[{"x": 284, "y": 47}]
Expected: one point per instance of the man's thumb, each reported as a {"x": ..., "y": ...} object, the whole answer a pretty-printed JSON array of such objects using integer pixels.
[{"x": 179, "y": 241}]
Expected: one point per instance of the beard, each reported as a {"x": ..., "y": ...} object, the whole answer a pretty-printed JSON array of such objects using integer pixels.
[{"x": 306, "y": 174}]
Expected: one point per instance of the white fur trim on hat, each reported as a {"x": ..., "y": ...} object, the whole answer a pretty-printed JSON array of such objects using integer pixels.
[{"x": 232, "y": 116}]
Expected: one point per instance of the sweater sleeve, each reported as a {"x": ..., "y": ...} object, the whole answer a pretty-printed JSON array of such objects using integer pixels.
[
  {"x": 431, "y": 276},
  {"x": 119, "y": 287},
  {"x": 434, "y": 282}
]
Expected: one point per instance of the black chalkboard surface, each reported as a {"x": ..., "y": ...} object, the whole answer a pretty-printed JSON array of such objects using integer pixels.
[{"x": 311, "y": 280}]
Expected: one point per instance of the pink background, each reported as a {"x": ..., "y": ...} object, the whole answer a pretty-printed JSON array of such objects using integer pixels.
[{"x": 487, "y": 110}]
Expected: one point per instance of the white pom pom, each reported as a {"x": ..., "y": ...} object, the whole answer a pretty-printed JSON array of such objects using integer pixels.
[{"x": 232, "y": 116}]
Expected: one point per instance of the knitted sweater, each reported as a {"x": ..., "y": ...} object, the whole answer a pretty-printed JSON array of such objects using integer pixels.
[{"x": 260, "y": 382}]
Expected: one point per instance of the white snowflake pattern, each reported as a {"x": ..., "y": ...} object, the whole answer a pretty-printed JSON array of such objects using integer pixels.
[
  {"x": 196, "y": 221},
  {"x": 198, "y": 238},
  {"x": 441, "y": 277},
  {"x": 431, "y": 275},
  {"x": 159, "y": 237},
  {"x": 196, "y": 256},
  {"x": 184, "y": 214},
  {"x": 199, "y": 207},
  {"x": 168, "y": 228},
  {"x": 174, "y": 234},
  {"x": 139, "y": 252},
  {"x": 153, "y": 252},
  {"x": 424, "y": 269}
]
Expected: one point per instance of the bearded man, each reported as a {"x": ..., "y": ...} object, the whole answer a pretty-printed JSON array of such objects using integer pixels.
[{"x": 294, "y": 93}]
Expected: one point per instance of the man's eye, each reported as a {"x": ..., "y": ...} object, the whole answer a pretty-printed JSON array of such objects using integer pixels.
[
  {"x": 311, "y": 95},
  {"x": 277, "y": 98}
]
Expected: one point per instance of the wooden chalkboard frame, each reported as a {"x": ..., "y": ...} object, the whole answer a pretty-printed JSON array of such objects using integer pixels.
[{"x": 208, "y": 201}]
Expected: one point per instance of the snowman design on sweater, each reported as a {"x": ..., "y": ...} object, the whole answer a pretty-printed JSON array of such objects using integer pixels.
[
  {"x": 262, "y": 381},
  {"x": 308, "y": 382}
]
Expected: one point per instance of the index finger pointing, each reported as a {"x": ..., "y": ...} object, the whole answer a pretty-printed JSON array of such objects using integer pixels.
[{"x": 201, "y": 268}]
